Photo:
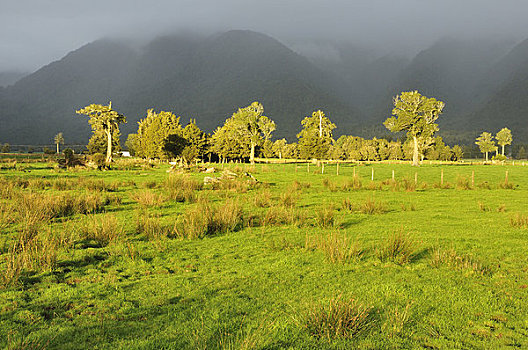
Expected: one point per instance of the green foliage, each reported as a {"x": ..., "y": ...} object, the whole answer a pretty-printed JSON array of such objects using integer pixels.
[
  {"x": 197, "y": 142},
  {"x": 160, "y": 135},
  {"x": 315, "y": 137},
  {"x": 99, "y": 144},
  {"x": 504, "y": 138},
  {"x": 486, "y": 143},
  {"x": 5, "y": 148},
  {"x": 415, "y": 114},
  {"x": 104, "y": 119},
  {"x": 131, "y": 144}
]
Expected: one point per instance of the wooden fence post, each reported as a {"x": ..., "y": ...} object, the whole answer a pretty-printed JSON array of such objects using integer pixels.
[
  {"x": 416, "y": 178},
  {"x": 473, "y": 178},
  {"x": 372, "y": 174},
  {"x": 442, "y": 177},
  {"x": 393, "y": 175},
  {"x": 337, "y": 169}
]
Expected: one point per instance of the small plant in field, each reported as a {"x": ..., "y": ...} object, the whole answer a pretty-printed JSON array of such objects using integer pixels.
[
  {"x": 397, "y": 319},
  {"x": 338, "y": 318},
  {"x": 347, "y": 204},
  {"x": 325, "y": 216},
  {"x": 150, "y": 184},
  {"x": 205, "y": 219},
  {"x": 278, "y": 215},
  {"x": 505, "y": 185},
  {"x": 148, "y": 198},
  {"x": 151, "y": 227},
  {"x": 330, "y": 185},
  {"x": 463, "y": 183},
  {"x": 483, "y": 207},
  {"x": 501, "y": 208},
  {"x": 484, "y": 185},
  {"x": 263, "y": 199},
  {"x": 353, "y": 183},
  {"x": 519, "y": 220},
  {"x": 288, "y": 199},
  {"x": 370, "y": 206},
  {"x": 408, "y": 207},
  {"x": 103, "y": 229},
  {"x": 337, "y": 248},
  {"x": 296, "y": 186},
  {"x": 452, "y": 259},
  {"x": 399, "y": 248}
]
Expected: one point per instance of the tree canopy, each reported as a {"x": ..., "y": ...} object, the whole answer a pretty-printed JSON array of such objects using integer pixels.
[
  {"x": 415, "y": 114},
  {"x": 315, "y": 137},
  {"x": 486, "y": 143},
  {"x": 104, "y": 118}
]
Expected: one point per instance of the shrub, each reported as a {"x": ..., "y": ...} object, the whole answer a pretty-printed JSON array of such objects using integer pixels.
[
  {"x": 288, "y": 199},
  {"x": 337, "y": 248},
  {"x": 339, "y": 318},
  {"x": 276, "y": 215},
  {"x": 151, "y": 227},
  {"x": 330, "y": 185},
  {"x": 352, "y": 184},
  {"x": 399, "y": 248}
]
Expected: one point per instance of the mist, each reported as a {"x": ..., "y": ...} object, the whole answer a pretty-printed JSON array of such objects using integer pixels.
[{"x": 35, "y": 33}]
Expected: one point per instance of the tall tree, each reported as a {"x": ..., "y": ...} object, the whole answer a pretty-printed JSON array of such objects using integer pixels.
[
  {"x": 315, "y": 137},
  {"x": 106, "y": 119},
  {"x": 250, "y": 124},
  {"x": 415, "y": 114},
  {"x": 504, "y": 138},
  {"x": 486, "y": 143},
  {"x": 197, "y": 142},
  {"x": 58, "y": 139},
  {"x": 159, "y": 135}
]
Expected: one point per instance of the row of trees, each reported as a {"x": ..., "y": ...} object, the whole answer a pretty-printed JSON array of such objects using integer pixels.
[
  {"x": 486, "y": 142},
  {"x": 248, "y": 132}
]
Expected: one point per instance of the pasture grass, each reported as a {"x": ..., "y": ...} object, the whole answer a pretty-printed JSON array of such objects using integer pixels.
[{"x": 138, "y": 258}]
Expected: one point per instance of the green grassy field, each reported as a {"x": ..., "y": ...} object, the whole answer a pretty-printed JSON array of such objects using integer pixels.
[{"x": 139, "y": 258}]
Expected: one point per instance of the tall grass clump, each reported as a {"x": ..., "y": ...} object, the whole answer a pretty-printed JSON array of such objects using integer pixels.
[
  {"x": 353, "y": 183},
  {"x": 337, "y": 248},
  {"x": 519, "y": 220},
  {"x": 288, "y": 199},
  {"x": 325, "y": 216},
  {"x": 338, "y": 318},
  {"x": 398, "y": 247},
  {"x": 369, "y": 206},
  {"x": 151, "y": 227},
  {"x": 148, "y": 198},
  {"x": 262, "y": 199},
  {"x": 452, "y": 259},
  {"x": 330, "y": 185},
  {"x": 463, "y": 183},
  {"x": 204, "y": 219},
  {"x": 181, "y": 188},
  {"x": 279, "y": 215},
  {"x": 103, "y": 229}
]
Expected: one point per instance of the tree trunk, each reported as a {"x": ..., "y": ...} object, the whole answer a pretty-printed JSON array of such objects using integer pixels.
[
  {"x": 109, "y": 146},
  {"x": 416, "y": 156},
  {"x": 252, "y": 154},
  {"x": 486, "y": 157},
  {"x": 503, "y": 149},
  {"x": 58, "y": 148}
]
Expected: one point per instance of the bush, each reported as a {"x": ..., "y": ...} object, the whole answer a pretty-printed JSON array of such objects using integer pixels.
[{"x": 325, "y": 216}]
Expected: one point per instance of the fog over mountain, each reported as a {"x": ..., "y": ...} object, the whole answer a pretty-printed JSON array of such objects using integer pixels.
[{"x": 349, "y": 58}]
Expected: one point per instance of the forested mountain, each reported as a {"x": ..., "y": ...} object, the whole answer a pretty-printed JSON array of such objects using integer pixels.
[
  {"x": 9, "y": 78},
  {"x": 484, "y": 84},
  {"x": 206, "y": 79}
]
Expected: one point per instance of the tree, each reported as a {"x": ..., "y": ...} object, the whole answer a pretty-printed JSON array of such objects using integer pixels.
[
  {"x": 250, "y": 124},
  {"x": 6, "y": 148},
  {"x": 486, "y": 143},
  {"x": 279, "y": 147},
  {"x": 504, "y": 137},
  {"x": 521, "y": 154},
  {"x": 106, "y": 119},
  {"x": 197, "y": 142},
  {"x": 98, "y": 142},
  {"x": 316, "y": 136},
  {"x": 159, "y": 135},
  {"x": 131, "y": 144},
  {"x": 457, "y": 152},
  {"x": 417, "y": 115},
  {"x": 58, "y": 140}
]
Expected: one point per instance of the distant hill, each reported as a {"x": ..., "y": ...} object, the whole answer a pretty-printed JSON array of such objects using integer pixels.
[{"x": 206, "y": 79}]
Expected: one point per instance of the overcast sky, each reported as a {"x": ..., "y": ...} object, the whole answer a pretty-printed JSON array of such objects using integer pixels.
[{"x": 36, "y": 32}]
